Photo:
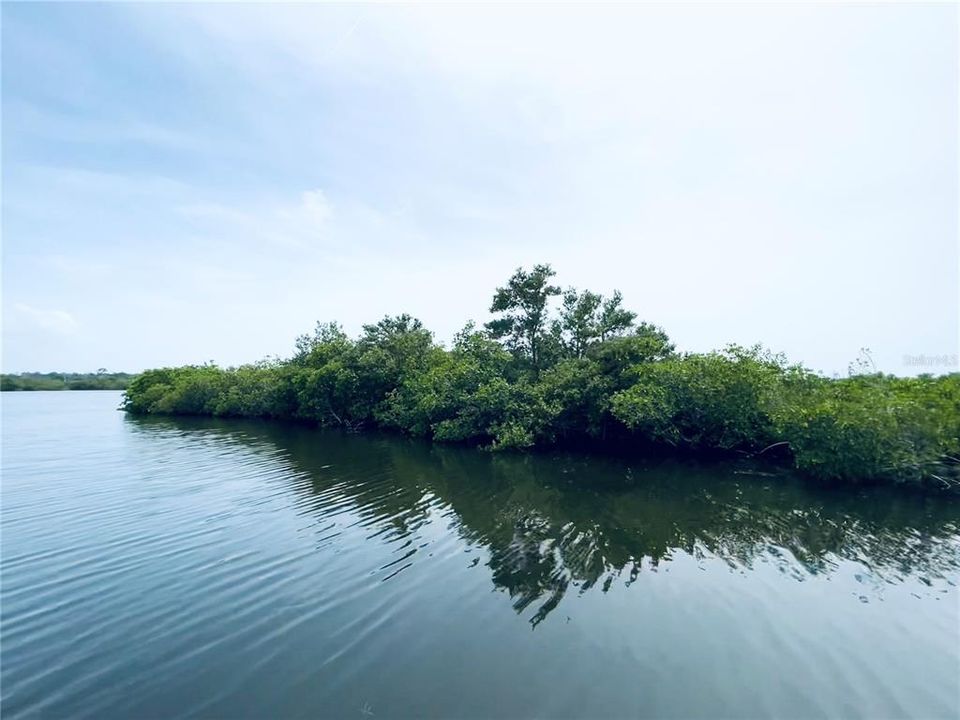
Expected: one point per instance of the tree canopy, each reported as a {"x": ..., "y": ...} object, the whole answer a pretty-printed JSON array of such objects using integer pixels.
[{"x": 522, "y": 305}]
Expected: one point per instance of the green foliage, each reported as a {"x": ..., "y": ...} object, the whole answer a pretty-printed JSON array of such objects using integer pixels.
[
  {"x": 877, "y": 427},
  {"x": 263, "y": 390},
  {"x": 619, "y": 356},
  {"x": 587, "y": 373},
  {"x": 190, "y": 390},
  {"x": 719, "y": 400},
  {"x": 453, "y": 396},
  {"x": 586, "y": 320},
  {"x": 146, "y": 390},
  {"x": 575, "y": 395},
  {"x": 522, "y": 305},
  {"x": 614, "y": 319},
  {"x": 578, "y": 320}
]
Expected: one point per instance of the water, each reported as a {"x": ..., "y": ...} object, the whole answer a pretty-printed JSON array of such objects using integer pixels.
[{"x": 161, "y": 568}]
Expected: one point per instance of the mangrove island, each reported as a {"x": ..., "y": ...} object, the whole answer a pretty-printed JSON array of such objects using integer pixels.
[{"x": 585, "y": 373}]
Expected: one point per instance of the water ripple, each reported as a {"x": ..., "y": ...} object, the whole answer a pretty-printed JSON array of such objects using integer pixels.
[{"x": 204, "y": 568}]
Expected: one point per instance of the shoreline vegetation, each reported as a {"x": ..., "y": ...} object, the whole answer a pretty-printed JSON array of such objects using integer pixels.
[
  {"x": 100, "y": 380},
  {"x": 585, "y": 373}
]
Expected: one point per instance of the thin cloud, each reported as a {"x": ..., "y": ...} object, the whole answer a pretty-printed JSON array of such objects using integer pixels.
[
  {"x": 56, "y": 321},
  {"x": 304, "y": 223}
]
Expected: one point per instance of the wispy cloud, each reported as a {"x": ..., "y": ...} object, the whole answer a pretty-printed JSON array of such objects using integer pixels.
[
  {"x": 56, "y": 321},
  {"x": 303, "y": 224}
]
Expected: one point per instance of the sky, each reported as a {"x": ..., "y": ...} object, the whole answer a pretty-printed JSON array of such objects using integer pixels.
[{"x": 186, "y": 183}]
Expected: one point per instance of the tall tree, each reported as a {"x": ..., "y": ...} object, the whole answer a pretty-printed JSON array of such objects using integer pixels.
[
  {"x": 615, "y": 320},
  {"x": 522, "y": 305},
  {"x": 579, "y": 321}
]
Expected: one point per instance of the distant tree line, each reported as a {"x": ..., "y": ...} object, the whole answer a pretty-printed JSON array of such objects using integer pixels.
[
  {"x": 585, "y": 372},
  {"x": 100, "y": 380}
]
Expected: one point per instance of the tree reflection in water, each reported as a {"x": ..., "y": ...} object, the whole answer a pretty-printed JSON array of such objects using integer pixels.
[{"x": 552, "y": 522}]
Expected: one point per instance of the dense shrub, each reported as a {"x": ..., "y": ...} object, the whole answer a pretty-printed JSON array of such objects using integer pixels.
[
  {"x": 877, "y": 427},
  {"x": 721, "y": 400}
]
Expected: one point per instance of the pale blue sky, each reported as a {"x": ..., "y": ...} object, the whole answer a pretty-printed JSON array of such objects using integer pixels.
[{"x": 185, "y": 183}]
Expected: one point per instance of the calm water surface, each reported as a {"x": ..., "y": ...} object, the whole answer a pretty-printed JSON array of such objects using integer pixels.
[{"x": 159, "y": 568}]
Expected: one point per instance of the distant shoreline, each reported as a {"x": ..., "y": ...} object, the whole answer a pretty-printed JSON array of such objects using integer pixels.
[
  {"x": 56, "y": 381},
  {"x": 63, "y": 389}
]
